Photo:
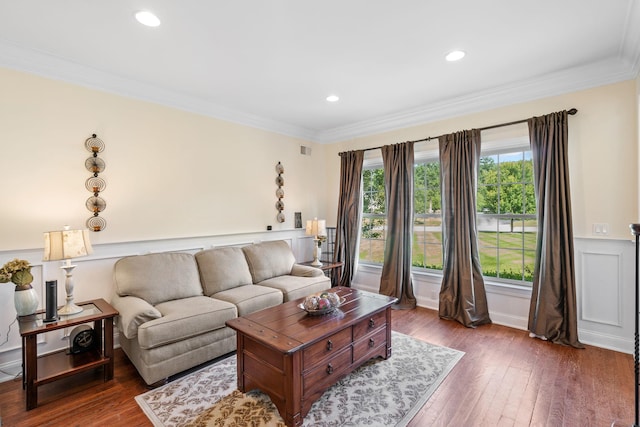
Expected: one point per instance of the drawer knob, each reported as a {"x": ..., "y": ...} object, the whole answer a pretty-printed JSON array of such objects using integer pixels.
[
  {"x": 329, "y": 369},
  {"x": 329, "y": 345},
  {"x": 372, "y": 342},
  {"x": 372, "y": 323}
]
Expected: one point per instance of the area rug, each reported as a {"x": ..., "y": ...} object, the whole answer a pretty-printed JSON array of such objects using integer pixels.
[{"x": 379, "y": 393}]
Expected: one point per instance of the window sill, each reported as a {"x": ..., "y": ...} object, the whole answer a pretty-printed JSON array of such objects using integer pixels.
[{"x": 493, "y": 287}]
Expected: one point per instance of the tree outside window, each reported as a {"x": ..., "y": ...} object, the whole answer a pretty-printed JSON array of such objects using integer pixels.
[{"x": 506, "y": 216}]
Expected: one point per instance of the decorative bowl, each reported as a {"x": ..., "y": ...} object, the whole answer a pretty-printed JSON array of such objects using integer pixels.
[{"x": 315, "y": 307}]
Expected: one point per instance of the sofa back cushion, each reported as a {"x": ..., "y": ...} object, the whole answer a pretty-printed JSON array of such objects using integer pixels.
[
  {"x": 158, "y": 277},
  {"x": 269, "y": 259},
  {"x": 222, "y": 269}
]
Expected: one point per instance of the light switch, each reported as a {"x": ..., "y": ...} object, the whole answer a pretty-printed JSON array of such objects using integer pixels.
[{"x": 600, "y": 229}]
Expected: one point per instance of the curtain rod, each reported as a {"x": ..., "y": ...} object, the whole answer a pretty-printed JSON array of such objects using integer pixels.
[{"x": 571, "y": 112}]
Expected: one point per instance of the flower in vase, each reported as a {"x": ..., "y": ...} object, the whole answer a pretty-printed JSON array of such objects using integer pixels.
[{"x": 17, "y": 271}]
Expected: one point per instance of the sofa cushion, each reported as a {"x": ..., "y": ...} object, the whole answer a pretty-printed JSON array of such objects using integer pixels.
[
  {"x": 159, "y": 277},
  {"x": 294, "y": 287},
  {"x": 185, "y": 318},
  {"x": 251, "y": 298},
  {"x": 222, "y": 269},
  {"x": 268, "y": 259}
]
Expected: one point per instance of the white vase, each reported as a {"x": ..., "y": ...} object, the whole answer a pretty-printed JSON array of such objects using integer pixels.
[{"x": 25, "y": 300}]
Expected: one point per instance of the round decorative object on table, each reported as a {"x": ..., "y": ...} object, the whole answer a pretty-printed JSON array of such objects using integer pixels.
[
  {"x": 324, "y": 303},
  {"x": 26, "y": 300}
]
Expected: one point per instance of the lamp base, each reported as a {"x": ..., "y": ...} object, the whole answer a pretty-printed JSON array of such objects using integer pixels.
[
  {"x": 69, "y": 308},
  {"x": 316, "y": 252}
]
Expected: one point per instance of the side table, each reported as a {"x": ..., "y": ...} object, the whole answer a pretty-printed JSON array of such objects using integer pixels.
[
  {"x": 328, "y": 267},
  {"x": 40, "y": 370}
]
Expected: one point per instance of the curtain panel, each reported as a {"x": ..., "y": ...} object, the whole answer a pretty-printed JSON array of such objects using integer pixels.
[
  {"x": 396, "y": 279},
  {"x": 348, "y": 221},
  {"x": 552, "y": 313},
  {"x": 462, "y": 294}
]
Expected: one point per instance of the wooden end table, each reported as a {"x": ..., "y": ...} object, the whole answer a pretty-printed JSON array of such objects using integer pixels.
[
  {"x": 40, "y": 370},
  {"x": 295, "y": 357},
  {"x": 327, "y": 267}
]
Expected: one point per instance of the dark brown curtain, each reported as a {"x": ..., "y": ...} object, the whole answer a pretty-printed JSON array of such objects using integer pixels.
[
  {"x": 396, "y": 279},
  {"x": 462, "y": 294},
  {"x": 348, "y": 222},
  {"x": 552, "y": 314}
]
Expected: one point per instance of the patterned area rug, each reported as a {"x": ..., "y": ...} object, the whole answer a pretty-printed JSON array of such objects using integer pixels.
[{"x": 379, "y": 393}]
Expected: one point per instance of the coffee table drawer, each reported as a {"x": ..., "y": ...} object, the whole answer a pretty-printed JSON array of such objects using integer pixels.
[
  {"x": 325, "y": 348},
  {"x": 369, "y": 324},
  {"x": 326, "y": 373},
  {"x": 366, "y": 347}
]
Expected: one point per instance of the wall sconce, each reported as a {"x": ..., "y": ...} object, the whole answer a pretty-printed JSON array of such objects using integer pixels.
[{"x": 95, "y": 204}]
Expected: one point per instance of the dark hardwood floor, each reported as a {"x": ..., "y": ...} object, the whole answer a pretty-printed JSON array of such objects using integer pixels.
[{"x": 504, "y": 379}]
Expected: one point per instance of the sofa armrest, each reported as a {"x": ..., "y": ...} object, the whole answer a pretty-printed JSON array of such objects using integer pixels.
[
  {"x": 133, "y": 312},
  {"x": 305, "y": 271}
]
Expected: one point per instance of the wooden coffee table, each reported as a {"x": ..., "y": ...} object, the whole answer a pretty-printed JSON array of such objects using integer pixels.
[{"x": 295, "y": 357}]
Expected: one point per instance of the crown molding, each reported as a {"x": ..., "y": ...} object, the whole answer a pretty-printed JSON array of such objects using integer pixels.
[
  {"x": 566, "y": 81},
  {"x": 43, "y": 64},
  {"x": 624, "y": 67}
]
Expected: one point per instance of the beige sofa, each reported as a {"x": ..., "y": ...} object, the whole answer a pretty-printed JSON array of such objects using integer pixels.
[{"x": 173, "y": 306}]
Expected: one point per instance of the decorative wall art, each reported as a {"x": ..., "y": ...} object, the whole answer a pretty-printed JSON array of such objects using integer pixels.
[
  {"x": 280, "y": 192},
  {"x": 95, "y": 184}
]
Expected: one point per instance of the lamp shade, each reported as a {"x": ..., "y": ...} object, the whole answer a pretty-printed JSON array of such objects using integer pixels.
[
  {"x": 316, "y": 227},
  {"x": 66, "y": 244}
]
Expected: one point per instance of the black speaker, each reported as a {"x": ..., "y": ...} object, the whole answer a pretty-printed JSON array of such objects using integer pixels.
[{"x": 51, "y": 288}]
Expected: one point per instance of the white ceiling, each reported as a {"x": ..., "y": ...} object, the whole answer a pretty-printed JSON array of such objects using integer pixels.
[{"x": 271, "y": 64}]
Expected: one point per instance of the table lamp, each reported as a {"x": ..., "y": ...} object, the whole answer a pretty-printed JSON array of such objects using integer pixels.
[
  {"x": 66, "y": 245},
  {"x": 317, "y": 228}
]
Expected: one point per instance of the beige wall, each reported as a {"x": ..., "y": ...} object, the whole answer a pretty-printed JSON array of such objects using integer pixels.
[
  {"x": 169, "y": 173},
  {"x": 172, "y": 173},
  {"x": 603, "y": 151}
]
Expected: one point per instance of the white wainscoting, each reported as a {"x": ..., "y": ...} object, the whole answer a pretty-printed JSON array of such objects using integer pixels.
[
  {"x": 605, "y": 291},
  {"x": 604, "y": 284},
  {"x": 93, "y": 279}
]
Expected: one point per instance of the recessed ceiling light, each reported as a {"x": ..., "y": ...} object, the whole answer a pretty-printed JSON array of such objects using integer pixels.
[
  {"x": 147, "y": 18},
  {"x": 455, "y": 55},
  {"x": 333, "y": 98}
]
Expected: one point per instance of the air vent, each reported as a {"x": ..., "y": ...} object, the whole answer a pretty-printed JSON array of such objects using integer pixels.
[{"x": 305, "y": 151}]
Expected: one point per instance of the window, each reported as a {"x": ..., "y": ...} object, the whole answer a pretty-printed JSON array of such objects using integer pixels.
[
  {"x": 427, "y": 220},
  {"x": 506, "y": 216},
  {"x": 506, "y": 209},
  {"x": 374, "y": 219}
]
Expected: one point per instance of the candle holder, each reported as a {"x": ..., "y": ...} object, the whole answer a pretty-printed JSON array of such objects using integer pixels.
[{"x": 94, "y": 184}]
